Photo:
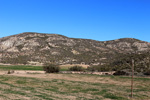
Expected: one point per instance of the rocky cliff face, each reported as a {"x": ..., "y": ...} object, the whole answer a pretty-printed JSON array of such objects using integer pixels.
[{"x": 37, "y": 47}]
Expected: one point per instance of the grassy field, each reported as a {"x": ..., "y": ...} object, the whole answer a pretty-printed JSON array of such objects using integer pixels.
[
  {"x": 71, "y": 87},
  {"x": 20, "y": 67},
  {"x": 27, "y": 67}
]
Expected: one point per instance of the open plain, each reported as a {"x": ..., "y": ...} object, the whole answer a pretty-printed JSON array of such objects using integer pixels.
[{"x": 40, "y": 86}]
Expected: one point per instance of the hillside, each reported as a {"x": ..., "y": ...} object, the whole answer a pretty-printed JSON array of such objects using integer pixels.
[{"x": 30, "y": 47}]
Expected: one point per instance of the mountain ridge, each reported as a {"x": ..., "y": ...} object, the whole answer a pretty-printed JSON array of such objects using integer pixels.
[
  {"x": 73, "y": 37},
  {"x": 40, "y": 47}
]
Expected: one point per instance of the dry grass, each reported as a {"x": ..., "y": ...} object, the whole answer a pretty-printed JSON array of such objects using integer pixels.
[
  {"x": 71, "y": 87},
  {"x": 71, "y": 65}
]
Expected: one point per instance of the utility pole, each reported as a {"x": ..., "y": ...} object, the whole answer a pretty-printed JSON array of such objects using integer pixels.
[{"x": 132, "y": 78}]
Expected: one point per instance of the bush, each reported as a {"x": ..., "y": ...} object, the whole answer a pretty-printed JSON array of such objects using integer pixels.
[
  {"x": 76, "y": 68},
  {"x": 122, "y": 72},
  {"x": 99, "y": 68},
  {"x": 94, "y": 68},
  {"x": 147, "y": 72},
  {"x": 51, "y": 68}
]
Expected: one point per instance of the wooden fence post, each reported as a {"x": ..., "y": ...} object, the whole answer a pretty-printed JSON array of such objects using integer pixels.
[{"x": 132, "y": 78}]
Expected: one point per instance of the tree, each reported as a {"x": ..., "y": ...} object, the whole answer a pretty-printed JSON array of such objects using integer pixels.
[{"x": 51, "y": 68}]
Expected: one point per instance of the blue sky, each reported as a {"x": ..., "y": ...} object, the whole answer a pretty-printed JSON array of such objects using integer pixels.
[{"x": 92, "y": 19}]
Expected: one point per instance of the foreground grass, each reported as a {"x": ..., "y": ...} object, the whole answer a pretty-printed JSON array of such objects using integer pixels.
[{"x": 72, "y": 87}]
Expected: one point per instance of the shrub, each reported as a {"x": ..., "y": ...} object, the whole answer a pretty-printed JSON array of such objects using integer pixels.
[
  {"x": 91, "y": 68},
  {"x": 99, "y": 68},
  {"x": 94, "y": 68},
  {"x": 76, "y": 68},
  {"x": 122, "y": 72},
  {"x": 147, "y": 72},
  {"x": 51, "y": 68}
]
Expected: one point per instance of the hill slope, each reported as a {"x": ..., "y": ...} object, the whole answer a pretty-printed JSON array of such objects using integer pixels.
[{"x": 27, "y": 47}]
